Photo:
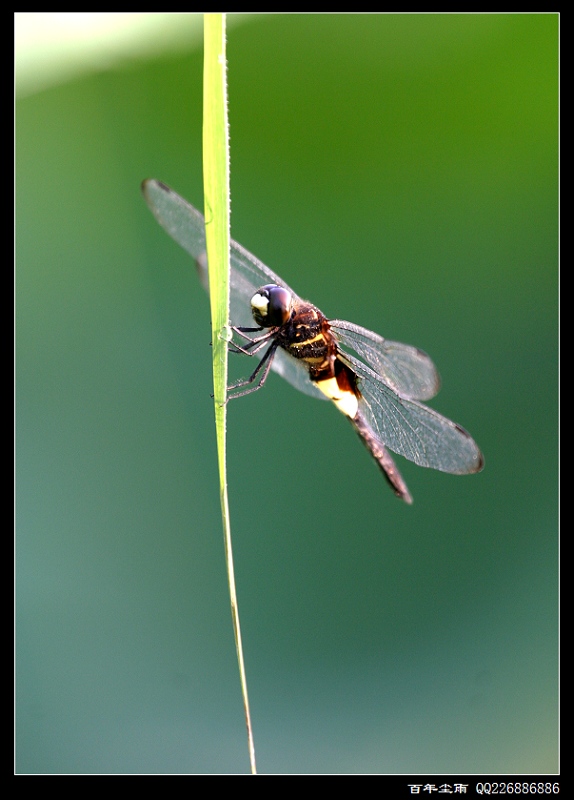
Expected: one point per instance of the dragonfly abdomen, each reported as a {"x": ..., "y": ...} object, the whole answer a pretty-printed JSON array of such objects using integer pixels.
[
  {"x": 382, "y": 457},
  {"x": 341, "y": 387},
  {"x": 338, "y": 383}
]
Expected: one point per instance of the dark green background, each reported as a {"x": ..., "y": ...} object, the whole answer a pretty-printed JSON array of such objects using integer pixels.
[{"x": 400, "y": 172}]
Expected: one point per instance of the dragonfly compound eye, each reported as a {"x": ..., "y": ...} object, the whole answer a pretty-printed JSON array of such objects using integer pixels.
[{"x": 271, "y": 306}]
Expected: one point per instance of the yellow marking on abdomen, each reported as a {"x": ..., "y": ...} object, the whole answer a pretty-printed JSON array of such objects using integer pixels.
[
  {"x": 307, "y": 341},
  {"x": 345, "y": 400}
]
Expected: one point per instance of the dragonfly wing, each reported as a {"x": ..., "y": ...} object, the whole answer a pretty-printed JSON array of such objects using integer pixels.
[
  {"x": 296, "y": 373},
  {"x": 412, "y": 429},
  {"x": 186, "y": 225},
  {"x": 407, "y": 369},
  {"x": 248, "y": 274}
]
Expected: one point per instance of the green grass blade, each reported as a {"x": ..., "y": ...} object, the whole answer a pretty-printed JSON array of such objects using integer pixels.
[{"x": 216, "y": 190}]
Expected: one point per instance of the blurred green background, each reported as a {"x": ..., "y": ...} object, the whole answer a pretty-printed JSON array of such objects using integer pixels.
[{"x": 401, "y": 172}]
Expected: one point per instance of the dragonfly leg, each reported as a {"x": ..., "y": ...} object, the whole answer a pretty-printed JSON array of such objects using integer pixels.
[
  {"x": 253, "y": 344},
  {"x": 263, "y": 367}
]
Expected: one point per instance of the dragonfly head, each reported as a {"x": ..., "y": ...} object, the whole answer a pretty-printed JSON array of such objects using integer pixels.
[{"x": 271, "y": 306}]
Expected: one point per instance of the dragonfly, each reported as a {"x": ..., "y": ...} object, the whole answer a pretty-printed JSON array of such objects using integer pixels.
[{"x": 376, "y": 383}]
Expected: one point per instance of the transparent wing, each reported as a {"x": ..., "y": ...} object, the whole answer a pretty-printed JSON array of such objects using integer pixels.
[
  {"x": 412, "y": 429},
  {"x": 186, "y": 225},
  {"x": 296, "y": 373},
  {"x": 407, "y": 369}
]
